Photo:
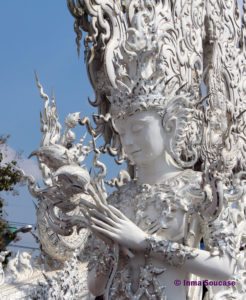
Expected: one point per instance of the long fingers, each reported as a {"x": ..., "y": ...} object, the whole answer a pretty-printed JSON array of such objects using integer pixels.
[
  {"x": 118, "y": 213},
  {"x": 106, "y": 232},
  {"x": 103, "y": 224},
  {"x": 99, "y": 206},
  {"x": 87, "y": 214},
  {"x": 100, "y": 192},
  {"x": 100, "y": 216},
  {"x": 96, "y": 198},
  {"x": 87, "y": 204},
  {"x": 109, "y": 212}
]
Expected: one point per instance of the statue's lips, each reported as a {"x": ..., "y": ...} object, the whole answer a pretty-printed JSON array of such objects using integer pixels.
[{"x": 137, "y": 151}]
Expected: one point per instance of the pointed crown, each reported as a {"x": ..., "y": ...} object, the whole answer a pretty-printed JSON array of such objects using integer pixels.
[{"x": 140, "y": 53}]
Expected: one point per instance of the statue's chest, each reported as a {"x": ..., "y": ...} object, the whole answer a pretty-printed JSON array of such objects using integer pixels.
[{"x": 149, "y": 207}]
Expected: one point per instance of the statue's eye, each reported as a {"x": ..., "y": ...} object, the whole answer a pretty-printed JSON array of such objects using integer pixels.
[{"x": 137, "y": 128}]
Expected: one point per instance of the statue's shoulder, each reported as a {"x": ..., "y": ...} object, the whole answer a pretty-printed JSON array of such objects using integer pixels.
[{"x": 187, "y": 188}]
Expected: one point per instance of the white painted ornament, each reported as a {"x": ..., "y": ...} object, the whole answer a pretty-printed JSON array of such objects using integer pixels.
[{"x": 169, "y": 87}]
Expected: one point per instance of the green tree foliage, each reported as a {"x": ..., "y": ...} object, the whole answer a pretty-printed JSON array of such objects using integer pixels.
[{"x": 9, "y": 177}]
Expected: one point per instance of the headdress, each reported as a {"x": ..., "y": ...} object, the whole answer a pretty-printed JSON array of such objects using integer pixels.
[{"x": 141, "y": 54}]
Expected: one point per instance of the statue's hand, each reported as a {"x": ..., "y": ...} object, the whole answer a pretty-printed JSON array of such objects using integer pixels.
[{"x": 116, "y": 226}]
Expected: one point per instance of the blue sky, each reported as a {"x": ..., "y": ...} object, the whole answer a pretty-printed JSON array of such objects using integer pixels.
[{"x": 36, "y": 35}]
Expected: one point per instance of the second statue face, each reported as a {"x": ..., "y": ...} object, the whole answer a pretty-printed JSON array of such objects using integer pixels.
[{"x": 142, "y": 137}]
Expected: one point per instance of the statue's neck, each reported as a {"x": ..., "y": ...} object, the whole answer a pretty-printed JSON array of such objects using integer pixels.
[{"x": 157, "y": 171}]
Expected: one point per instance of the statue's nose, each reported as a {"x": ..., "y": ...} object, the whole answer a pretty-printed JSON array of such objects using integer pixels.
[{"x": 164, "y": 224}]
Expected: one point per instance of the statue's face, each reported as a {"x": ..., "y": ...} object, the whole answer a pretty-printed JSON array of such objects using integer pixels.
[
  {"x": 142, "y": 137},
  {"x": 173, "y": 225}
]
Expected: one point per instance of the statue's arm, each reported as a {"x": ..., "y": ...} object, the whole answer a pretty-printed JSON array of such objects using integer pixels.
[
  {"x": 222, "y": 242},
  {"x": 219, "y": 267},
  {"x": 193, "y": 260},
  {"x": 207, "y": 264}
]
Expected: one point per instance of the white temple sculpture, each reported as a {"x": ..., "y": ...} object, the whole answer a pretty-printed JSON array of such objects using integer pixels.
[
  {"x": 169, "y": 79},
  {"x": 58, "y": 156}
]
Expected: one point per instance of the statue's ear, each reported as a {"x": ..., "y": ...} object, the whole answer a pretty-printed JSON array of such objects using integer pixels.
[
  {"x": 169, "y": 129},
  {"x": 169, "y": 126}
]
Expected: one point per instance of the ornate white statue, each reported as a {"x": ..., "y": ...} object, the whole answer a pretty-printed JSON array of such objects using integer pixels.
[
  {"x": 19, "y": 268},
  {"x": 59, "y": 159},
  {"x": 169, "y": 80},
  {"x": 65, "y": 284}
]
